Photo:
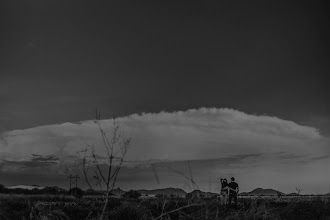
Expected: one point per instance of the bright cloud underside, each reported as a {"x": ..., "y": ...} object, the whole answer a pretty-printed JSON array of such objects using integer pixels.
[{"x": 227, "y": 136}]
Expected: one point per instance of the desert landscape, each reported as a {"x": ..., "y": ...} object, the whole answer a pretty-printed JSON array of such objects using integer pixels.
[
  {"x": 26, "y": 202},
  {"x": 164, "y": 110}
]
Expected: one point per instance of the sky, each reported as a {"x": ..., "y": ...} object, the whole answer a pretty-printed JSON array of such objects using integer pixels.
[{"x": 217, "y": 88}]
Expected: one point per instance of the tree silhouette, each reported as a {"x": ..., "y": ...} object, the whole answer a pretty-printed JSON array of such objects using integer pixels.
[{"x": 105, "y": 169}]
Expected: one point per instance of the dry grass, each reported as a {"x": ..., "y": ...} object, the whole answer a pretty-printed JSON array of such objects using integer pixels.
[{"x": 250, "y": 208}]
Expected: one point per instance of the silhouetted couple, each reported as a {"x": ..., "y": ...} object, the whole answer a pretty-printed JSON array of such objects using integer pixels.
[{"x": 228, "y": 191}]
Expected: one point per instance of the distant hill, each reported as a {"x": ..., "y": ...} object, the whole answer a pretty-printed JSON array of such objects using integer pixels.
[
  {"x": 199, "y": 194},
  {"x": 117, "y": 192},
  {"x": 292, "y": 194},
  {"x": 29, "y": 187},
  {"x": 165, "y": 191},
  {"x": 260, "y": 191}
]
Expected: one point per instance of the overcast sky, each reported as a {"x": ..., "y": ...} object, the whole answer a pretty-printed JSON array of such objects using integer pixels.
[{"x": 238, "y": 88}]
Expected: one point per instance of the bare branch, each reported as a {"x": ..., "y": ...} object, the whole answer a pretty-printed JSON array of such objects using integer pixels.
[
  {"x": 106, "y": 172},
  {"x": 98, "y": 167}
]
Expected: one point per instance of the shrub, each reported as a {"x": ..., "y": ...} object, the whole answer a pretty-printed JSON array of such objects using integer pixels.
[
  {"x": 132, "y": 194},
  {"x": 130, "y": 211},
  {"x": 1, "y": 187},
  {"x": 76, "y": 192}
]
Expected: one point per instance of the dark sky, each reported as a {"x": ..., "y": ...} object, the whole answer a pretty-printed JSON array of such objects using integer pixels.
[{"x": 59, "y": 60}]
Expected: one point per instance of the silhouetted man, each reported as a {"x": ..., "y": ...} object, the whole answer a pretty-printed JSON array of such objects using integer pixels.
[{"x": 233, "y": 190}]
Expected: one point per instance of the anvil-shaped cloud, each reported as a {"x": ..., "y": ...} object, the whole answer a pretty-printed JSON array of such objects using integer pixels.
[{"x": 217, "y": 142}]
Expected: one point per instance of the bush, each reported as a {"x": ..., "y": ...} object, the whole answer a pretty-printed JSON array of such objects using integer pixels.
[
  {"x": 91, "y": 192},
  {"x": 1, "y": 187},
  {"x": 12, "y": 208},
  {"x": 132, "y": 194},
  {"x": 130, "y": 211},
  {"x": 76, "y": 192}
]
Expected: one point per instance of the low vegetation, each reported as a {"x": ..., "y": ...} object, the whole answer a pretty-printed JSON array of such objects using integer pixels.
[{"x": 132, "y": 206}]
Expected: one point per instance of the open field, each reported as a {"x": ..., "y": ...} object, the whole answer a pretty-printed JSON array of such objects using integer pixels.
[{"x": 67, "y": 207}]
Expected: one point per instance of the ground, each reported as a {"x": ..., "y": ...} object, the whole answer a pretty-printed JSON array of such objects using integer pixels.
[{"x": 68, "y": 207}]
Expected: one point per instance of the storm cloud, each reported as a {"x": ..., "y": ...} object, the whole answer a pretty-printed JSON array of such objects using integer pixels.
[{"x": 223, "y": 142}]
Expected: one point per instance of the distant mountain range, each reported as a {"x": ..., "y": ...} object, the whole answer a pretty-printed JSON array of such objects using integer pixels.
[
  {"x": 32, "y": 187},
  {"x": 117, "y": 192},
  {"x": 29, "y": 187},
  {"x": 199, "y": 193},
  {"x": 165, "y": 191},
  {"x": 260, "y": 191},
  {"x": 292, "y": 194}
]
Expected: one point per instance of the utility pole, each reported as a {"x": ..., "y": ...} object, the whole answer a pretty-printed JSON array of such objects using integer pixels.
[{"x": 73, "y": 181}]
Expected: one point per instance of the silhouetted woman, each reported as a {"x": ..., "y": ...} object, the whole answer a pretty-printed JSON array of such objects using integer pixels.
[{"x": 224, "y": 191}]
